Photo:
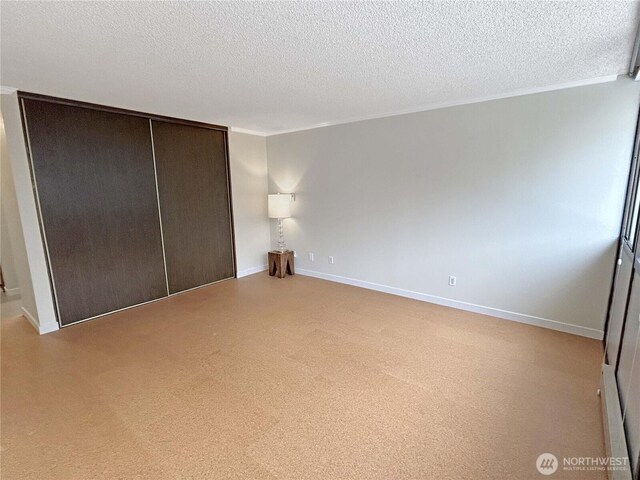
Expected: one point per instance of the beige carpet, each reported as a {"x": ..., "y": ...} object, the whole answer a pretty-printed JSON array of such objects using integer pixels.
[{"x": 296, "y": 379}]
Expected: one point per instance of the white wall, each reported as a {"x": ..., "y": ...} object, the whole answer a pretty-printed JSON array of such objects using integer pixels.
[
  {"x": 9, "y": 273},
  {"x": 28, "y": 249},
  {"x": 520, "y": 198},
  {"x": 10, "y": 233},
  {"x": 248, "y": 163}
]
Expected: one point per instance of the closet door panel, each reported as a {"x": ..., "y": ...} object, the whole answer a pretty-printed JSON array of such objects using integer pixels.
[
  {"x": 628, "y": 374},
  {"x": 96, "y": 189},
  {"x": 619, "y": 304},
  {"x": 191, "y": 166}
]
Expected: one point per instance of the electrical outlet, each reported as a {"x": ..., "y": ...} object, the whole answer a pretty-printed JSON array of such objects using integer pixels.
[
  {"x": 331, "y": 261},
  {"x": 295, "y": 254},
  {"x": 312, "y": 256},
  {"x": 452, "y": 281}
]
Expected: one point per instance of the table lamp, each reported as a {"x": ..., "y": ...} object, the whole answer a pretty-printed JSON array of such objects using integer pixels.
[{"x": 280, "y": 207}]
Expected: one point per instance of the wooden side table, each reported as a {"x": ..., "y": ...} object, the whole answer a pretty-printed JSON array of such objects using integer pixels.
[{"x": 281, "y": 263}]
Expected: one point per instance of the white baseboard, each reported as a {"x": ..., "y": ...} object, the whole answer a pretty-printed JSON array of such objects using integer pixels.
[
  {"x": 41, "y": 329},
  {"x": 470, "y": 307},
  {"x": 251, "y": 271},
  {"x": 10, "y": 292},
  {"x": 31, "y": 319}
]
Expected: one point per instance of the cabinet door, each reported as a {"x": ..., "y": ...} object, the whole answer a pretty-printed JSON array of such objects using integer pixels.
[
  {"x": 94, "y": 176},
  {"x": 191, "y": 167}
]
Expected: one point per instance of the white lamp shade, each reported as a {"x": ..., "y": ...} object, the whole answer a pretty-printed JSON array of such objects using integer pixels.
[{"x": 280, "y": 205}]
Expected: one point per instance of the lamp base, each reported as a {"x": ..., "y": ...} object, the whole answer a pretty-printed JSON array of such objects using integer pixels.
[{"x": 282, "y": 247}]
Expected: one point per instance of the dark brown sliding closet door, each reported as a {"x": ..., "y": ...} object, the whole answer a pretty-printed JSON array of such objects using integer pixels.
[
  {"x": 191, "y": 166},
  {"x": 95, "y": 180}
]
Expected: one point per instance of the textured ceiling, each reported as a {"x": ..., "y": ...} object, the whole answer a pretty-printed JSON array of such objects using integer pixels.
[{"x": 280, "y": 66}]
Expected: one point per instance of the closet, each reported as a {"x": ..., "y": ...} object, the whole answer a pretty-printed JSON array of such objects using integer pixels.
[{"x": 133, "y": 207}]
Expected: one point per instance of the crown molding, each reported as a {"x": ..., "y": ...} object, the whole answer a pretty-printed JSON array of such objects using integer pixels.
[
  {"x": 438, "y": 106},
  {"x": 248, "y": 131},
  {"x": 4, "y": 90}
]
